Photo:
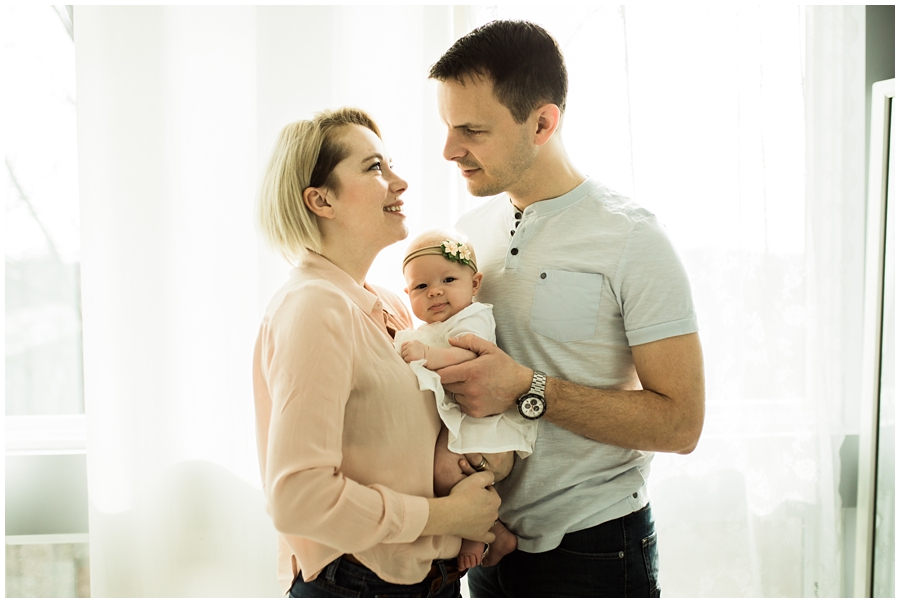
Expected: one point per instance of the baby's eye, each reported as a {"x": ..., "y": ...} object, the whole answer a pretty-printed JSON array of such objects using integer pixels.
[
  {"x": 420, "y": 286},
  {"x": 449, "y": 279}
]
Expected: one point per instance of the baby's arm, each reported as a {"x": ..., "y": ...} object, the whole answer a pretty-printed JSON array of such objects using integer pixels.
[{"x": 435, "y": 358}]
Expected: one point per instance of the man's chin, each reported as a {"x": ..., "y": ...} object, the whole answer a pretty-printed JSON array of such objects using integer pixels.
[{"x": 483, "y": 190}]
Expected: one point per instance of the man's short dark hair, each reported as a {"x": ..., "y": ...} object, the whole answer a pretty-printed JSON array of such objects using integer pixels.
[{"x": 521, "y": 58}]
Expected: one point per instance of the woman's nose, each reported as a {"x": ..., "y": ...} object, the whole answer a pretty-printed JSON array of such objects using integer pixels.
[{"x": 398, "y": 184}]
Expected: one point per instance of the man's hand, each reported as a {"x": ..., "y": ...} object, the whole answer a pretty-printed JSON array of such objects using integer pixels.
[
  {"x": 498, "y": 463},
  {"x": 411, "y": 351},
  {"x": 488, "y": 385}
]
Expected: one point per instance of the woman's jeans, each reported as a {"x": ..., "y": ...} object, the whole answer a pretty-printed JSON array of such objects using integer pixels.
[
  {"x": 614, "y": 559},
  {"x": 342, "y": 578}
]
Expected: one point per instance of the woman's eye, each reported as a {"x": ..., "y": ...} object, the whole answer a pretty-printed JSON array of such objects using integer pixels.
[{"x": 376, "y": 166}]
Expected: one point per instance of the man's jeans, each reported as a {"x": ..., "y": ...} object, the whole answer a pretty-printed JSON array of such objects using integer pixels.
[{"x": 614, "y": 559}]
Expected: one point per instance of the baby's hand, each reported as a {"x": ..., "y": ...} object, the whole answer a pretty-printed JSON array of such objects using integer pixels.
[{"x": 411, "y": 351}]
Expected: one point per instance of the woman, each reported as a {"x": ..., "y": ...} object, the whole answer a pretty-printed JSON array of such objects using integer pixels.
[{"x": 346, "y": 439}]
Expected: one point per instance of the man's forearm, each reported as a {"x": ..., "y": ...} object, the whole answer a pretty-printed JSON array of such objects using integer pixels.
[
  {"x": 636, "y": 419},
  {"x": 666, "y": 415},
  {"x": 663, "y": 411}
]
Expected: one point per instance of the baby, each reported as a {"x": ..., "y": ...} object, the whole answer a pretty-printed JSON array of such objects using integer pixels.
[{"x": 442, "y": 278}]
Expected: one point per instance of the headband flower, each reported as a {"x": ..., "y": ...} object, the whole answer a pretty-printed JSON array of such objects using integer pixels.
[
  {"x": 451, "y": 250},
  {"x": 458, "y": 252}
]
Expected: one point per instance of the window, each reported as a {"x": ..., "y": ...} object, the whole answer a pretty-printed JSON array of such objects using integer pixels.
[{"x": 46, "y": 486}]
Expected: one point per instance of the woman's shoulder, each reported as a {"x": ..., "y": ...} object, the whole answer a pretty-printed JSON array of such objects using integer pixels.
[{"x": 302, "y": 292}]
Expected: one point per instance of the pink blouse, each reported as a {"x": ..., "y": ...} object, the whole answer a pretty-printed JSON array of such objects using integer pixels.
[{"x": 345, "y": 437}]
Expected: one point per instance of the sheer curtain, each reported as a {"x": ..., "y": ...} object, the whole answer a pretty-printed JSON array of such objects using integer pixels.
[
  {"x": 741, "y": 128},
  {"x": 178, "y": 109},
  {"x": 702, "y": 114}
]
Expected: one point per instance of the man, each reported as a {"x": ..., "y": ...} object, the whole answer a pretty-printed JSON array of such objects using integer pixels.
[{"x": 596, "y": 328}]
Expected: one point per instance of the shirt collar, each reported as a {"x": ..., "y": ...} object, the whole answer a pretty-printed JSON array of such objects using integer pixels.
[
  {"x": 363, "y": 297},
  {"x": 549, "y": 206}
]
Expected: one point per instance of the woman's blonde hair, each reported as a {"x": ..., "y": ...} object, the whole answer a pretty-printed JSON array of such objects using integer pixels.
[{"x": 305, "y": 155}]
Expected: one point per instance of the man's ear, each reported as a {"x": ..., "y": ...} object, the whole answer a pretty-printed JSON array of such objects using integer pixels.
[
  {"x": 476, "y": 283},
  {"x": 548, "y": 120},
  {"x": 316, "y": 200}
]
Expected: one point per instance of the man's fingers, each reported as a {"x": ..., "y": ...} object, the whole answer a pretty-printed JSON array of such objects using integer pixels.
[{"x": 472, "y": 342}]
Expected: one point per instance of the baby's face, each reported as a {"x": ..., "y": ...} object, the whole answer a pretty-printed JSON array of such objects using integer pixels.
[{"x": 438, "y": 288}]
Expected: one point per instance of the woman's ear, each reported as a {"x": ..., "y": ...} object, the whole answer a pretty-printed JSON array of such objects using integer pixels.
[
  {"x": 316, "y": 200},
  {"x": 476, "y": 283}
]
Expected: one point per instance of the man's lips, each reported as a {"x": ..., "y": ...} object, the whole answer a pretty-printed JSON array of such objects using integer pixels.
[{"x": 467, "y": 172}]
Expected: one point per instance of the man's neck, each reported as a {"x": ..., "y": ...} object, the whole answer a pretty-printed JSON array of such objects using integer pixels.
[{"x": 548, "y": 177}]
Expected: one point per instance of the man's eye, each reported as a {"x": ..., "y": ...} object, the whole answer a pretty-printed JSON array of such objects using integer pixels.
[{"x": 471, "y": 132}]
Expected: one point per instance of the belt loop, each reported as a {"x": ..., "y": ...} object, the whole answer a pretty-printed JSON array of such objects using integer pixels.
[
  {"x": 332, "y": 569},
  {"x": 439, "y": 583},
  {"x": 444, "y": 579}
]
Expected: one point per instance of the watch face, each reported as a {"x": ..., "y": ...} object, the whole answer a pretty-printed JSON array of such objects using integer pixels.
[{"x": 532, "y": 407}]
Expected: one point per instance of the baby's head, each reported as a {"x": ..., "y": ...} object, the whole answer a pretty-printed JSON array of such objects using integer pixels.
[{"x": 441, "y": 275}]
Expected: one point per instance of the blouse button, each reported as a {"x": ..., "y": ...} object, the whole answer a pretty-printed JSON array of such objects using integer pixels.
[
  {"x": 514, "y": 251},
  {"x": 518, "y": 215},
  {"x": 512, "y": 233},
  {"x": 543, "y": 275}
]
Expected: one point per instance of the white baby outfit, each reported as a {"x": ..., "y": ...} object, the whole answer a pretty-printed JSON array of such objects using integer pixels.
[{"x": 498, "y": 433}]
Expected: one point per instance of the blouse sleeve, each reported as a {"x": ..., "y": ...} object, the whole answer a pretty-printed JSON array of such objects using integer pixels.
[{"x": 308, "y": 370}]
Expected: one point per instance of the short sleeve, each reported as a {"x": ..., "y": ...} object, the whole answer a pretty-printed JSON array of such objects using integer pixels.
[
  {"x": 478, "y": 320},
  {"x": 652, "y": 287}
]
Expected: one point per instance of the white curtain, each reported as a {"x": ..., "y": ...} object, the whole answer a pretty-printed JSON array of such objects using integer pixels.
[
  {"x": 704, "y": 116},
  {"x": 178, "y": 108},
  {"x": 697, "y": 112}
]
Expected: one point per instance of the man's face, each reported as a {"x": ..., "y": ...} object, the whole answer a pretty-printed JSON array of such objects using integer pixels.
[{"x": 493, "y": 151}]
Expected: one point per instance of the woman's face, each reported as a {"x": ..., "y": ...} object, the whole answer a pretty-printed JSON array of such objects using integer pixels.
[{"x": 367, "y": 204}]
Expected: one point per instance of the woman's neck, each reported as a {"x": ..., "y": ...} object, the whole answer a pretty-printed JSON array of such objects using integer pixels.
[{"x": 354, "y": 262}]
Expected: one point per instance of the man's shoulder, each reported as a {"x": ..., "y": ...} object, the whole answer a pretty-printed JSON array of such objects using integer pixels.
[{"x": 612, "y": 205}]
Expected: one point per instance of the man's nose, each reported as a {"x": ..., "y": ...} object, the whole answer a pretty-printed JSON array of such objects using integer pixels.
[{"x": 452, "y": 149}]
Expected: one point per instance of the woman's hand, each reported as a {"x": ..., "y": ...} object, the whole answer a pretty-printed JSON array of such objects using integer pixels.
[{"x": 469, "y": 512}]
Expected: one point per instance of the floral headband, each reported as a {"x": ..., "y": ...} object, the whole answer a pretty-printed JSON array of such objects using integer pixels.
[{"x": 455, "y": 252}]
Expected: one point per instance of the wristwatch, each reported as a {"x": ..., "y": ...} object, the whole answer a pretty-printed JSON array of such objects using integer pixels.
[{"x": 533, "y": 405}]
